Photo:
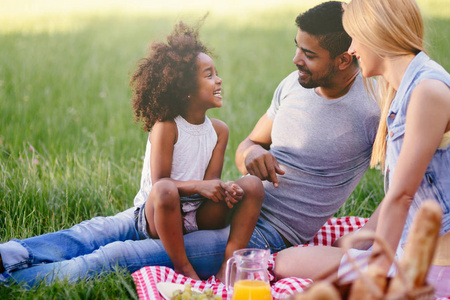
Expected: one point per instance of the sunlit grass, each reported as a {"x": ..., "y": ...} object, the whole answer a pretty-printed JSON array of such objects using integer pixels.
[
  {"x": 53, "y": 16},
  {"x": 64, "y": 15},
  {"x": 69, "y": 149}
]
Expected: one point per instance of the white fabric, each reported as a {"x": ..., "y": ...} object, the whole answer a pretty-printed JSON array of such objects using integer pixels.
[{"x": 191, "y": 156}]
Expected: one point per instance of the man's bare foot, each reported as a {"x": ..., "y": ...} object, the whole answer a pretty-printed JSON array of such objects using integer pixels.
[{"x": 187, "y": 271}]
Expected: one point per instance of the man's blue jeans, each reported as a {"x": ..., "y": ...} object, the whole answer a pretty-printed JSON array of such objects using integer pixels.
[{"x": 102, "y": 244}]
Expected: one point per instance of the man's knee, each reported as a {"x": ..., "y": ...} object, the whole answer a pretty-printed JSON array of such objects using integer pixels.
[{"x": 252, "y": 187}]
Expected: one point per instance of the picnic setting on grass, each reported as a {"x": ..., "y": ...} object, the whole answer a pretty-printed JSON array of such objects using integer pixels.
[{"x": 362, "y": 95}]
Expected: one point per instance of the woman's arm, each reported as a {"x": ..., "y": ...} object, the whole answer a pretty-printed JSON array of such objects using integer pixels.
[
  {"x": 371, "y": 225},
  {"x": 427, "y": 120}
]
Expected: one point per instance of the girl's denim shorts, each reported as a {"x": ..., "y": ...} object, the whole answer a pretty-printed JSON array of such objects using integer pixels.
[{"x": 189, "y": 206}]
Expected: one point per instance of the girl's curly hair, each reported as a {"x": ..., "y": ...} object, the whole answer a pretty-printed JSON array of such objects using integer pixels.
[{"x": 165, "y": 78}]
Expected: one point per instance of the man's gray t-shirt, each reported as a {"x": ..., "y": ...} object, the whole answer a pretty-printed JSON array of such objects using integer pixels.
[{"x": 324, "y": 146}]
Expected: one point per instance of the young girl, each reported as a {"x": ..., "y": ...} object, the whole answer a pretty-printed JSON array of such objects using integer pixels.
[
  {"x": 173, "y": 89},
  {"x": 413, "y": 139}
]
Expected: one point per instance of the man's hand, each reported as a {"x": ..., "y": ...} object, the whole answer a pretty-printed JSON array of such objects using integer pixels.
[{"x": 263, "y": 164}]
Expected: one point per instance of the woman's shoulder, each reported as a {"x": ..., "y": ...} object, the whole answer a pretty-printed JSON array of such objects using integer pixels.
[
  {"x": 433, "y": 70},
  {"x": 431, "y": 88},
  {"x": 432, "y": 96}
]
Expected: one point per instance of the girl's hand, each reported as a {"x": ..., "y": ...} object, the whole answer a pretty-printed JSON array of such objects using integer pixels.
[
  {"x": 217, "y": 190},
  {"x": 234, "y": 194},
  {"x": 214, "y": 189}
]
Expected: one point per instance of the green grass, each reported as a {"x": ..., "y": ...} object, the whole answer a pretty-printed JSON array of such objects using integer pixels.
[{"x": 69, "y": 149}]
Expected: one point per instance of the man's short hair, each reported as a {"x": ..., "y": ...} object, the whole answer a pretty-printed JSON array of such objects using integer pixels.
[{"x": 324, "y": 21}]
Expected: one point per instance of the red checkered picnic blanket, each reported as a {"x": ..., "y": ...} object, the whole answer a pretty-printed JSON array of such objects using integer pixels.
[{"x": 147, "y": 277}]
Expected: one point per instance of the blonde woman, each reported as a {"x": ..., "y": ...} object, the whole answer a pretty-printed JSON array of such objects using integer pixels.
[{"x": 413, "y": 138}]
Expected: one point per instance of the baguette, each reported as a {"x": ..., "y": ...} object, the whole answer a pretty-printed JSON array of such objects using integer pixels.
[
  {"x": 321, "y": 290},
  {"x": 419, "y": 249},
  {"x": 361, "y": 288}
]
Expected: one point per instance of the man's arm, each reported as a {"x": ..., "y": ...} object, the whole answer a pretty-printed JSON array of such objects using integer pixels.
[{"x": 252, "y": 155}]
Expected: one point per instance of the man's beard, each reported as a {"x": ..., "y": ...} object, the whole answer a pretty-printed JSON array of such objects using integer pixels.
[{"x": 322, "y": 81}]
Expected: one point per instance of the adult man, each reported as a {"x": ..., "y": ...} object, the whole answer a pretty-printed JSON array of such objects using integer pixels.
[
  {"x": 317, "y": 133},
  {"x": 320, "y": 138}
]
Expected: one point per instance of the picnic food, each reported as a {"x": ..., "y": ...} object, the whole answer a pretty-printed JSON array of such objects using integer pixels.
[
  {"x": 189, "y": 294},
  {"x": 419, "y": 249},
  {"x": 321, "y": 290},
  {"x": 361, "y": 290},
  {"x": 414, "y": 265}
]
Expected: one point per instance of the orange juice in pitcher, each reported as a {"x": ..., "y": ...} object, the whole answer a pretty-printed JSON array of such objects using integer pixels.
[
  {"x": 251, "y": 290},
  {"x": 251, "y": 281}
]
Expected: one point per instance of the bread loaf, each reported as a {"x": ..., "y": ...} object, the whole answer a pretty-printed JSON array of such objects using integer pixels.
[
  {"x": 321, "y": 290},
  {"x": 370, "y": 286},
  {"x": 419, "y": 248}
]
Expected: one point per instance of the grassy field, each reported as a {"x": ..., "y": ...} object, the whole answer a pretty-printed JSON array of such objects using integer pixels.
[{"x": 69, "y": 149}]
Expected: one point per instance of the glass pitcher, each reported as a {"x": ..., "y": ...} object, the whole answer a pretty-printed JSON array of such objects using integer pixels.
[{"x": 251, "y": 280}]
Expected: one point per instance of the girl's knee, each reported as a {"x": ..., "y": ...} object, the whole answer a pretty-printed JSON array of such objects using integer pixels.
[{"x": 164, "y": 193}]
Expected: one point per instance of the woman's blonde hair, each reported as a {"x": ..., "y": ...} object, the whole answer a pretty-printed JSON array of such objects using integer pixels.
[{"x": 390, "y": 28}]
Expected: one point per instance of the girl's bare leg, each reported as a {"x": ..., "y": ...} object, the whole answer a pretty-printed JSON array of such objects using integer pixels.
[
  {"x": 244, "y": 218},
  {"x": 165, "y": 222}
]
